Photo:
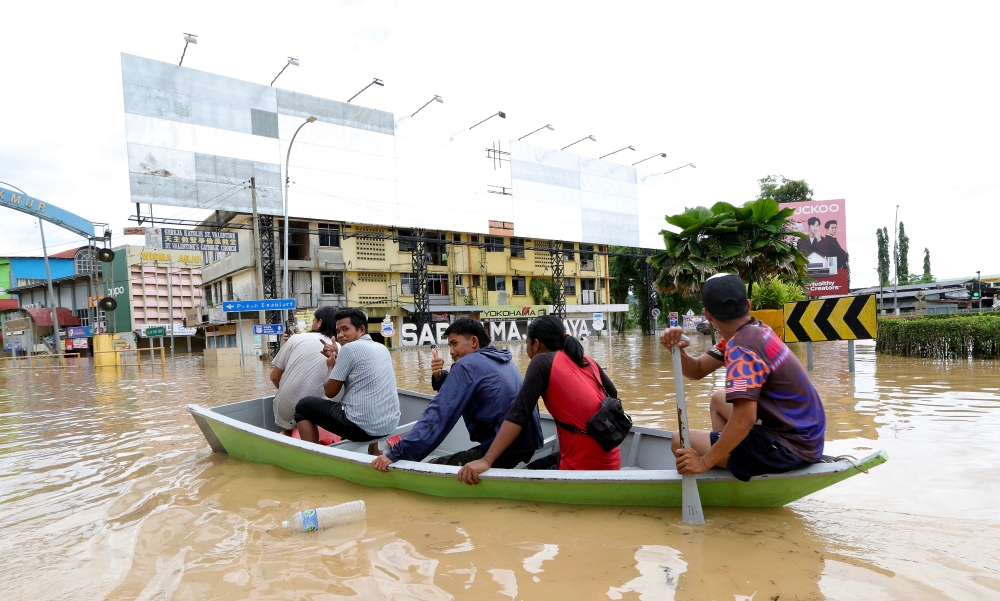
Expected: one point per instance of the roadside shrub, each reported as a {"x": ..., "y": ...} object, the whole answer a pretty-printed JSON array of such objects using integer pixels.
[
  {"x": 965, "y": 336},
  {"x": 772, "y": 293}
]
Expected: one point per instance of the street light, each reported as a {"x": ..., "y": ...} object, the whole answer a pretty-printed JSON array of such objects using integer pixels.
[
  {"x": 619, "y": 150},
  {"x": 691, "y": 165},
  {"x": 547, "y": 126},
  {"x": 53, "y": 302},
  {"x": 435, "y": 99},
  {"x": 189, "y": 38},
  {"x": 591, "y": 138},
  {"x": 291, "y": 61},
  {"x": 288, "y": 157},
  {"x": 662, "y": 155},
  {"x": 500, "y": 114},
  {"x": 375, "y": 82}
]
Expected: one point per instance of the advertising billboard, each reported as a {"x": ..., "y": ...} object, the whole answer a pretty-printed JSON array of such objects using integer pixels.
[
  {"x": 825, "y": 224},
  {"x": 195, "y": 139}
]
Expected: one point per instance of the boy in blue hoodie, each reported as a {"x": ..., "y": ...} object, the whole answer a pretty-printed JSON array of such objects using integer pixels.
[{"x": 481, "y": 388}]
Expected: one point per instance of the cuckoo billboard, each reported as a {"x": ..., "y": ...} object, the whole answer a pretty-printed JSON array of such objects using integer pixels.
[{"x": 824, "y": 222}]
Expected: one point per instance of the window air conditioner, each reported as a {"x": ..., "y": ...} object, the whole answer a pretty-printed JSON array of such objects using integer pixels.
[{"x": 463, "y": 291}]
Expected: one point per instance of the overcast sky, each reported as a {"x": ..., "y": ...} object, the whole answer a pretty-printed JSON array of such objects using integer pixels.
[{"x": 877, "y": 103}]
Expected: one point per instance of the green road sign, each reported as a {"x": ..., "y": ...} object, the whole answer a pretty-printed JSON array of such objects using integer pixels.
[{"x": 156, "y": 332}]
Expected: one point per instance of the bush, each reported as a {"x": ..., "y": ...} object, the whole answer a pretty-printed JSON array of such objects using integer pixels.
[
  {"x": 941, "y": 336},
  {"x": 772, "y": 293},
  {"x": 541, "y": 290}
]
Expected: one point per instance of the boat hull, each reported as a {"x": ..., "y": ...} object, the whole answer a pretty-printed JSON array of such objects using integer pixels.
[{"x": 648, "y": 487}]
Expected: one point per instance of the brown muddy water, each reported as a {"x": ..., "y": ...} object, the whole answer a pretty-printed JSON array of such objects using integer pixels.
[{"x": 108, "y": 490}]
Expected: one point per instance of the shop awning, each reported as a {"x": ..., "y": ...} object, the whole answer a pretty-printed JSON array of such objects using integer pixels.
[{"x": 43, "y": 317}]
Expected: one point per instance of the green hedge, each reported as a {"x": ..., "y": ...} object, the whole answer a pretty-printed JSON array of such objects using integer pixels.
[{"x": 941, "y": 336}]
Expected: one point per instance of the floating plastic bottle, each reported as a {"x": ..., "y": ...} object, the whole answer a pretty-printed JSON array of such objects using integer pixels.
[{"x": 310, "y": 520}]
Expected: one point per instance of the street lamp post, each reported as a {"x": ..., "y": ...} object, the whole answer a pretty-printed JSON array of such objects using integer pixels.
[
  {"x": 435, "y": 99},
  {"x": 979, "y": 289},
  {"x": 591, "y": 138},
  {"x": 53, "y": 303},
  {"x": 547, "y": 126},
  {"x": 288, "y": 157},
  {"x": 691, "y": 165},
  {"x": 619, "y": 150},
  {"x": 375, "y": 82},
  {"x": 291, "y": 61},
  {"x": 661, "y": 155}
]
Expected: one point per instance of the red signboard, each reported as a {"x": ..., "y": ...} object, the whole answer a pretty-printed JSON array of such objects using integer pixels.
[{"x": 825, "y": 248}]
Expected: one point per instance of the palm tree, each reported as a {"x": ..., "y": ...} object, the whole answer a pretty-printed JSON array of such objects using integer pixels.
[{"x": 752, "y": 240}]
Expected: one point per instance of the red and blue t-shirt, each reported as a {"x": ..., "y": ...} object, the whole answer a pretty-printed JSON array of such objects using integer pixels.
[{"x": 759, "y": 367}]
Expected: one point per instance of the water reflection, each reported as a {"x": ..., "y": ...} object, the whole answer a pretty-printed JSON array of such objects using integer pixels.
[{"x": 108, "y": 490}]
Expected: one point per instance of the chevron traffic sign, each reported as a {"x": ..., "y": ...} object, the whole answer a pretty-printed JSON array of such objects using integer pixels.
[{"x": 841, "y": 318}]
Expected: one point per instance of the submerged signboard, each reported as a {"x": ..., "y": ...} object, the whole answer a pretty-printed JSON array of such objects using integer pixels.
[{"x": 825, "y": 224}]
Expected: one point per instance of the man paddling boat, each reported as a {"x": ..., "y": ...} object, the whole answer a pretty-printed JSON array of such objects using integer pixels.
[{"x": 771, "y": 416}]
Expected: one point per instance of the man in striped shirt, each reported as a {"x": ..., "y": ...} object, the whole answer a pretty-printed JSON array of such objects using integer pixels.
[{"x": 363, "y": 369}]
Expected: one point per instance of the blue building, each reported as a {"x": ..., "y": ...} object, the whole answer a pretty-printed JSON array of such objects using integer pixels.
[{"x": 25, "y": 271}]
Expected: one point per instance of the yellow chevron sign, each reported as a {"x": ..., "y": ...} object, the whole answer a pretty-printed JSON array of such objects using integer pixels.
[{"x": 842, "y": 318}]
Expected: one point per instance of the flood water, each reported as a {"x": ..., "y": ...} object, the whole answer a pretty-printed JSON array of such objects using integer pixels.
[{"x": 109, "y": 490}]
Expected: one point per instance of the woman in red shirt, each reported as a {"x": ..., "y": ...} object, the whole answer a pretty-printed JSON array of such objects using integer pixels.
[{"x": 571, "y": 386}]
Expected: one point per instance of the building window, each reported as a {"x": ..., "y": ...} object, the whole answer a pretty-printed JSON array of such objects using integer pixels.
[
  {"x": 587, "y": 257},
  {"x": 298, "y": 240},
  {"x": 329, "y": 235},
  {"x": 229, "y": 289},
  {"x": 208, "y": 296},
  {"x": 437, "y": 283},
  {"x": 407, "y": 245},
  {"x": 494, "y": 244},
  {"x": 474, "y": 238},
  {"x": 458, "y": 280},
  {"x": 84, "y": 260},
  {"x": 475, "y": 281},
  {"x": 569, "y": 287},
  {"x": 496, "y": 283},
  {"x": 568, "y": 254},
  {"x": 517, "y": 248},
  {"x": 519, "y": 285},
  {"x": 218, "y": 291},
  {"x": 588, "y": 292},
  {"x": 456, "y": 237},
  {"x": 333, "y": 282},
  {"x": 406, "y": 284}
]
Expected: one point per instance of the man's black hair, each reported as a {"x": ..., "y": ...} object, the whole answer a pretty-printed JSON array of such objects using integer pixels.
[
  {"x": 327, "y": 315},
  {"x": 467, "y": 327},
  {"x": 829, "y": 223},
  {"x": 357, "y": 316},
  {"x": 813, "y": 220}
]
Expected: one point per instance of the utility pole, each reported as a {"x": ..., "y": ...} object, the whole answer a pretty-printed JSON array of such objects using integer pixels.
[
  {"x": 256, "y": 253},
  {"x": 170, "y": 300},
  {"x": 53, "y": 303}
]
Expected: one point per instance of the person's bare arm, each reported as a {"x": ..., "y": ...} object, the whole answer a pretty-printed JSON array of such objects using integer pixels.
[
  {"x": 694, "y": 368},
  {"x": 331, "y": 388},
  {"x": 276, "y": 374},
  {"x": 508, "y": 433}
]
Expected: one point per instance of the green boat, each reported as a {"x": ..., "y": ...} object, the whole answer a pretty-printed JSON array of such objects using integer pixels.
[{"x": 246, "y": 430}]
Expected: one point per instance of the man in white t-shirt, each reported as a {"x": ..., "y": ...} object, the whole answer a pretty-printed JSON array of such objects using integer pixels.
[{"x": 300, "y": 368}]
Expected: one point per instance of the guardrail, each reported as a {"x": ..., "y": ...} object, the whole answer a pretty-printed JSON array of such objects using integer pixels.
[
  {"x": 18, "y": 362},
  {"x": 162, "y": 363}
]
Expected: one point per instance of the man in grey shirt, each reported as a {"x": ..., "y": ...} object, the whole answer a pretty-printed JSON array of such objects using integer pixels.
[
  {"x": 363, "y": 370},
  {"x": 300, "y": 366}
]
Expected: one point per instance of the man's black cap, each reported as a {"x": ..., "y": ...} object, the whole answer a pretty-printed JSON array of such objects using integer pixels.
[{"x": 725, "y": 296}]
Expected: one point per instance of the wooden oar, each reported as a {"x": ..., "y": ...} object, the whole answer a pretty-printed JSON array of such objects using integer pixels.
[{"x": 691, "y": 512}]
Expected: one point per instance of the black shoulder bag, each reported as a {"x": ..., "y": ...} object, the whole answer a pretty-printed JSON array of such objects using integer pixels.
[{"x": 608, "y": 425}]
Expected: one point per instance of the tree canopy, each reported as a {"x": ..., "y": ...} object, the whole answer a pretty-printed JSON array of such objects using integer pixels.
[
  {"x": 781, "y": 189},
  {"x": 883, "y": 255},
  {"x": 751, "y": 241}
]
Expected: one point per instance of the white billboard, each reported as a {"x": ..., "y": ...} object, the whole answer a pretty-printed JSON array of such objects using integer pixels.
[{"x": 194, "y": 138}]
